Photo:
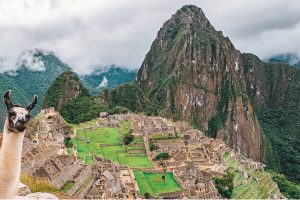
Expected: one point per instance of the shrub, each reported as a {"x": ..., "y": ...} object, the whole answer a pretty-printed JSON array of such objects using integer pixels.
[
  {"x": 68, "y": 142},
  {"x": 153, "y": 147},
  {"x": 147, "y": 195}
]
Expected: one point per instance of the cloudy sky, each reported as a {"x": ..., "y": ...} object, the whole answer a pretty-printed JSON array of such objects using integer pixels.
[{"x": 87, "y": 34}]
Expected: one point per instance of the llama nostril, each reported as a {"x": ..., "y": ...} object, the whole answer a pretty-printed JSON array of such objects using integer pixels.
[{"x": 22, "y": 121}]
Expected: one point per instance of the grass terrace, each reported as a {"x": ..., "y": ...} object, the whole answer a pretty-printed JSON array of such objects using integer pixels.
[
  {"x": 67, "y": 186},
  {"x": 258, "y": 184},
  {"x": 107, "y": 142},
  {"x": 154, "y": 184}
]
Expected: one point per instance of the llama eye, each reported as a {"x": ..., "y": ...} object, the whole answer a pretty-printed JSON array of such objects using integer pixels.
[
  {"x": 27, "y": 116},
  {"x": 12, "y": 115}
]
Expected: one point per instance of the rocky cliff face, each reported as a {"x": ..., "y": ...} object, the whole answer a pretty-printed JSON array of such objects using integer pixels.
[{"x": 192, "y": 72}]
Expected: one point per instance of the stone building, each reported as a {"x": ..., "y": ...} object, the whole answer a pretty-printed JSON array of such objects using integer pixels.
[
  {"x": 195, "y": 183},
  {"x": 111, "y": 181}
]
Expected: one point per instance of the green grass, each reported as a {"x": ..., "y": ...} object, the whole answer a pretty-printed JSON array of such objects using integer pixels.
[
  {"x": 154, "y": 184},
  {"x": 226, "y": 156},
  {"x": 38, "y": 184},
  {"x": 124, "y": 126},
  {"x": 97, "y": 141},
  {"x": 67, "y": 186},
  {"x": 138, "y": 140},
  {"x": 84, "y": 124}
]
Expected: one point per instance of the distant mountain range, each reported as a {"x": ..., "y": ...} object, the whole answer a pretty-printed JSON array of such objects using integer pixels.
[
  {"x": 38, "y": 69},
  {"x": 109, "y": 77},
  {"x": 289, "y": 58}
]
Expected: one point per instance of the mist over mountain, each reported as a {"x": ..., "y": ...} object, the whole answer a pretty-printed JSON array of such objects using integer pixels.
[
  {"x": 289, "y": 58},
  {"x": 37, "y": 69},
  {"x": 107, "y": 78}
]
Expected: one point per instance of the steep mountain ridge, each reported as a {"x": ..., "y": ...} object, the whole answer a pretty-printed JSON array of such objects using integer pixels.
[
  {"x": 64, "y": 89},
  {"x": 193, "y": 72},
  {"x": 71, "y": 98}
]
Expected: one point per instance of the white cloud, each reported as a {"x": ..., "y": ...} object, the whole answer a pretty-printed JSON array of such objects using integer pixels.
[
  {"x": 30, "y": 61},
  {"x": 103, "y": 83},
  {"x": 86, "y": 34}
]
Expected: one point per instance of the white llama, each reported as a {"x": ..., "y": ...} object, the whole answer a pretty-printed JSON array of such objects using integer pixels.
[{"x": 11, "y": 149}]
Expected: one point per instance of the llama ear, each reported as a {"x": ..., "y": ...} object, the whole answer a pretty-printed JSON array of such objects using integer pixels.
[
  {"x": 32, "y": 104},
  {"x": 6, "y": 99}
]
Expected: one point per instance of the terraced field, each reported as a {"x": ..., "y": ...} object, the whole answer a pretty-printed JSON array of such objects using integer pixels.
[
  {"x": 107, "y": 142},
  {"x": 254, "y": 185},
  {"x": 154, "y": 184}
]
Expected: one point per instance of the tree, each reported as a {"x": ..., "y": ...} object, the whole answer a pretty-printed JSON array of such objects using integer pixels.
[
  {"x": 225, "y": 185},
  {"x": 289, "y": 189},
  {"x": 163, "y": 178},
  {"x": 128, "y": 138},
  {"x": 119, "y": 110},
  {"x": 163, "y": 156},
  {"x": 81, "y": 109}
]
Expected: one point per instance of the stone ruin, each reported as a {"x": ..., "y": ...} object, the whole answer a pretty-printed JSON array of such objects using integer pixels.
[
  {"x": 141, "y": 124},
  {"x": 187, "y": 147},
  {"x": 195, "y": 183},
  {"x": 111, "y": 181},
  {"x": 45, "y": 155},
  {"x": 48, "y": 125},
  {"x": 44, "y": 161},
  {"x": 195, "y": 159}
]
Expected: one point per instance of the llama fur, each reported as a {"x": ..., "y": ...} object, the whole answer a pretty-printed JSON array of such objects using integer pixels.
[
  {"x": 10, "y": 162},
  {"x": 11, "y": 147}
]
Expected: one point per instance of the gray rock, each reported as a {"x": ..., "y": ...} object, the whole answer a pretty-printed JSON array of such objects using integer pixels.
[
  {"x": 23, "y": 190},
  {"x": 40, "y": 195}
]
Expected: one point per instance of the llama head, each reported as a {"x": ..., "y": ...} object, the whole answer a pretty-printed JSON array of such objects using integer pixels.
[{"x": 18, "y": 116}]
